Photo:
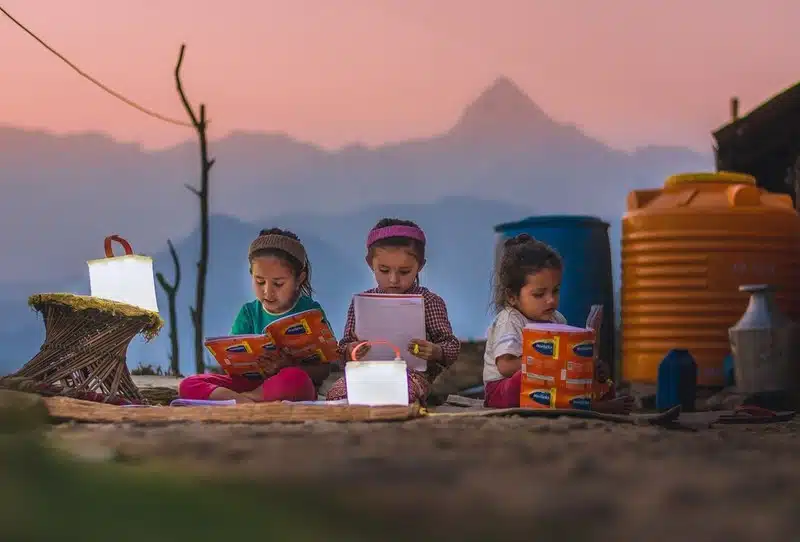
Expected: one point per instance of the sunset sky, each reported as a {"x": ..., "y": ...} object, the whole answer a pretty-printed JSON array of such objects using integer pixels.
[{"x": 630, "y": 72}]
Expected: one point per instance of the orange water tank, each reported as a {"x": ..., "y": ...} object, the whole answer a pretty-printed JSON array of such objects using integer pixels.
[{"x": 686, "y": 248}]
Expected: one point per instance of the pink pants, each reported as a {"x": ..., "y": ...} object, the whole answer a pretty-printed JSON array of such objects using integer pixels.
[
  {"x": 505, "y": 393},
  {"x": 290, "y": 384}
]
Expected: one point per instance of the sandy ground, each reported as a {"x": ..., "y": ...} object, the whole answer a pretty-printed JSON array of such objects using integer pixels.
[{"x": 460, "y": 476}]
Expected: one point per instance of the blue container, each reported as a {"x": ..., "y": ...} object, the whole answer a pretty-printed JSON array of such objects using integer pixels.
[
  {"x": 728, "y": 371},
  {"x": 583, "y": 243},
  {"x": 677, "y": 381}
]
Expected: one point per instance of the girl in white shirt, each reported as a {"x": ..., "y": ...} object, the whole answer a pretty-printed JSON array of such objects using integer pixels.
[{"x": 526, "y": 290}]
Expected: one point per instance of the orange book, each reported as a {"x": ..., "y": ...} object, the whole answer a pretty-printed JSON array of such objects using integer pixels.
[
  {"x": 557, "y": 366},
  {"x": 304, "y": 337}
]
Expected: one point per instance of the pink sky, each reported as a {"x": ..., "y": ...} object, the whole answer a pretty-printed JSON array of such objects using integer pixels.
[{"x": 629, "y": 72}]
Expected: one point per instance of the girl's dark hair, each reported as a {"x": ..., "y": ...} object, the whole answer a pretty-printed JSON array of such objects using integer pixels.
[
  {"x": 417, "y": 248},
  {"x": 522, "y": 256},
  {"x": 290, "y": 260}
]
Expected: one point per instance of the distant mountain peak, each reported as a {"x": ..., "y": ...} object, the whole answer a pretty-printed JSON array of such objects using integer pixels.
[
  {"x": 503, "y": 108},
  {"x": 504, "y": 90}
]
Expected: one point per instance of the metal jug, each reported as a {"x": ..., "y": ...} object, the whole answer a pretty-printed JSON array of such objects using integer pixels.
[{"x": 762, "y": 344}]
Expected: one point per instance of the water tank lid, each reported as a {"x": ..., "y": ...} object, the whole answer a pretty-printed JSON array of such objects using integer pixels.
[
  {"x": 552, "y": 221},
  {"x": 720, "y": 177}
]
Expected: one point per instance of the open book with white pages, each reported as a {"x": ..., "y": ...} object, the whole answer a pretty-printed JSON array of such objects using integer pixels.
[{"x": 394, "y": 318}]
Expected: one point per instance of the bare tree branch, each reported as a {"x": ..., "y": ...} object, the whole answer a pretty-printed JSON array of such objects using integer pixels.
[
  {"x": 172, "y": 292},
  {"x": 200, "y": 124},
  {"x": 179, "y": 84},
  {"x": 192, "y": 189}
]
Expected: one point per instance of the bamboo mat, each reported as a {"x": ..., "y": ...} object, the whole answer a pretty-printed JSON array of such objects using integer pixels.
[{"x": 67, "y": 409}]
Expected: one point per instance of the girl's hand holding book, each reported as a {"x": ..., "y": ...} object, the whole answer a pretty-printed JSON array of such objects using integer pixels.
[
  {"x": 425, "y": 350},
  {"x": 274, "y": 361},
  {"x": 602, "y": 371}
]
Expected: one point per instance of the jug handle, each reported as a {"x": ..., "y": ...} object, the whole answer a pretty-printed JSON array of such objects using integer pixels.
[
  {"x": 126, "y": 246},
  {"x": 359, "y": 345}
]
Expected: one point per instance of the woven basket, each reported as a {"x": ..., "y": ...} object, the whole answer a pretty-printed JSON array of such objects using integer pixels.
[{"x": 83, "y": 355}]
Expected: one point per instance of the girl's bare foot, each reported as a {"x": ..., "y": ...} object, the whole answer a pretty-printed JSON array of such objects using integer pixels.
[
  {"x": 619, "y": 405},
  {"x": 255, "y": 396},
  {"x": 224, "y": 394}
]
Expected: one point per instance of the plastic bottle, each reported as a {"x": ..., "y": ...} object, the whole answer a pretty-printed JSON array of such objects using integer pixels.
[{"x": 677, "y": 381}]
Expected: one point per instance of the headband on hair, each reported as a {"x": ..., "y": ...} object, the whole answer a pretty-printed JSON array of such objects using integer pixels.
[
  {"x": 279, "y": 242},
  {"x": 410, "y": 232}
]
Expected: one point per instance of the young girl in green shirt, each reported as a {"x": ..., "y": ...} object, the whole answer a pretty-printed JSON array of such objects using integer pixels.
[{"x": 281, "y": 278}]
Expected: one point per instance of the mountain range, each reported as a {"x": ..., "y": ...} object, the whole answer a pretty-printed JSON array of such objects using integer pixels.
[{"x": 503, "y": 159}]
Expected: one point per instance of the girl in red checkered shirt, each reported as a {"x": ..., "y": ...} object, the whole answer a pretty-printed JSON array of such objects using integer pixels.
[{"x": 396, "y": 255}]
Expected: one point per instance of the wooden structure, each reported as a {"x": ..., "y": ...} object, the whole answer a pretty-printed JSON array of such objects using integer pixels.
[
  {"x": 84, "y": 351},
  {"x": 764, "y": 143}
]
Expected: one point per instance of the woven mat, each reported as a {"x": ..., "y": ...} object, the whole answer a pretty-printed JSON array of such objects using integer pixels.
[{"x": 67, "y": 409}]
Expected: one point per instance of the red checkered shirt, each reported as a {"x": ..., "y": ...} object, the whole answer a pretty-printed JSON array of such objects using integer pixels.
[{"x": 437, "y": 324}]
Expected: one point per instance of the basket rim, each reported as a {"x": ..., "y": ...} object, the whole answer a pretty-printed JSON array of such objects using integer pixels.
[{"x": 152, "y": 320}]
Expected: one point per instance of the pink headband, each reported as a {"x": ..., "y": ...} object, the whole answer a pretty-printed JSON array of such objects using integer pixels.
[{"x": 411, "y": 232}]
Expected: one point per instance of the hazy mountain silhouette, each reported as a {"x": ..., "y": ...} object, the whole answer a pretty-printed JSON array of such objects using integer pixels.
[
  {"x": 504, "y": 158},
  {"x": 504, "y": 119}
]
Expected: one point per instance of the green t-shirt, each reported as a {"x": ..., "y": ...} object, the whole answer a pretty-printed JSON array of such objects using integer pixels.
[{"x": 254, "y": 319}]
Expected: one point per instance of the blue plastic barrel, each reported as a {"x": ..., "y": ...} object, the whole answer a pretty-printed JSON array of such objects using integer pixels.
[{"x": 583, "y": 243}]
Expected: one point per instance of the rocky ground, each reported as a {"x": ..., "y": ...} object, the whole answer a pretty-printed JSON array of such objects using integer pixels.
[{"x": 476, "y": 478}]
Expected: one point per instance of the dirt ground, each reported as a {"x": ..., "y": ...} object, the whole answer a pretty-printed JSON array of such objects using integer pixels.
[{"x": 476, "y": 478}]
